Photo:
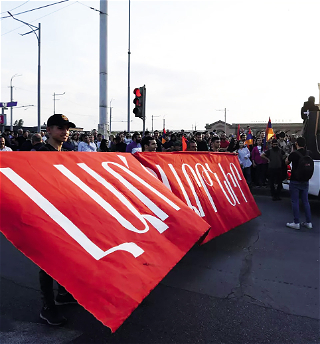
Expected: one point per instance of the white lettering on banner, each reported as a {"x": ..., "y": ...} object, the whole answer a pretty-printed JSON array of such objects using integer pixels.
[
  {"x": 158, "y": 224},
  {"x": 184, "y": 192},
  {"x": 164, "y": 178},
  {"x": 149, "y": 170},
  {"x": 228, "y": 184},
  {"x": 204, "y": 182},
  {"x": 64, "y": 222},
  {"x": 234, "y": 199},
  {"x": 199, "y": 180},
  {"x": 184, "y": 167},
  {"x": 137, "y": 192},
  {"x": 234, "y": 169},
  {"x": 104, "y": 204}
]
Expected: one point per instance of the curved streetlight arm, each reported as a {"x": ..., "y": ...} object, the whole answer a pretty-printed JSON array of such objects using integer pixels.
[
  {"x": 30, "y": 26},
  {"x": 26, "y": 106},
  {"x": 54, "y": 100},
  {"x": 14, "y": 77}
]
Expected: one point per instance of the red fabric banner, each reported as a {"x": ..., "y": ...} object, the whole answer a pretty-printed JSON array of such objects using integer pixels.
[
  {"x": 212, "y": 184},
  {"x": 99, "y": 224}
]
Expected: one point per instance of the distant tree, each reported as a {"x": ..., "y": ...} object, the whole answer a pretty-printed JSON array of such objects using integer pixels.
[
  {"x": 15, "y": 123},
  {"x": 20, "y": 122}
]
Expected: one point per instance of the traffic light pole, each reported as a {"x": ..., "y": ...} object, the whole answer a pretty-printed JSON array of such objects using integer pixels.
[
  {"x": 144, "y": 109},
  {"x": 129, "y": 52}
]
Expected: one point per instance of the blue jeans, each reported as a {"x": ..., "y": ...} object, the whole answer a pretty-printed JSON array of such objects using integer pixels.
[{"x": 296, "y": 189}]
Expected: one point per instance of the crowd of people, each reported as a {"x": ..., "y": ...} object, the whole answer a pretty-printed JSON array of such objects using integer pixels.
[{"x": 260, "y": 160}]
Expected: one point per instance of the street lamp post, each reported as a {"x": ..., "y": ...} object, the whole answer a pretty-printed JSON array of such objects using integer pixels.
[
  {"x": 225, "y": 119},
  {"x": 54, "y": 100},
  {"x": 152, "y": 122},
  {"x": 11, "y": 98},
  {"x": 34, "y": 29},
  {"x": 110, "y": 114}
]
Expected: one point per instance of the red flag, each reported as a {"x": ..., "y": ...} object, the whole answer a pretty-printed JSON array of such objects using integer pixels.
[
  {"x": 238, "y": 132},
  {"x": 212, "y": 184},
  {"x": 184, "y": 143},
  {"x": 100, "y": 224}
]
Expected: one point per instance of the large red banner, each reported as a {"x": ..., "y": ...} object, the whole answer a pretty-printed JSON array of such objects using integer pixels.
[
  {"x": 212, "y": 184},
  {"x": 99, "y": 224}
]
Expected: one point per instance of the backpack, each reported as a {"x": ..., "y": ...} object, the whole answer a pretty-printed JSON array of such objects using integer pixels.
[{"x": 305, "y": 168}]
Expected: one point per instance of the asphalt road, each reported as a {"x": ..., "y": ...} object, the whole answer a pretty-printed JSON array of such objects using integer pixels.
[{"x": 258, "y": 283}]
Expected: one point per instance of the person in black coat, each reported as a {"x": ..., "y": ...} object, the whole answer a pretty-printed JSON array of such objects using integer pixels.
[{"x": 308, "y": 106}]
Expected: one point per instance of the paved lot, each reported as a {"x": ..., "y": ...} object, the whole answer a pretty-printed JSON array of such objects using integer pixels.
[{"x": 258, "y": 283}]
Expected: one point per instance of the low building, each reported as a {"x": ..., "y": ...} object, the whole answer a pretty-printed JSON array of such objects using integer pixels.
[{"x": 219, "y": 126}]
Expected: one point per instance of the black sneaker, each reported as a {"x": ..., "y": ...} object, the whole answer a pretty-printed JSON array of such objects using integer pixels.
[
  {"x": 65, "y": 299},
  {"x": 52, "y": 316}
]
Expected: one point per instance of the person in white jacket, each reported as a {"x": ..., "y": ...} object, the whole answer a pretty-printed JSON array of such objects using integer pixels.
[{"x": 245, "y": 162}]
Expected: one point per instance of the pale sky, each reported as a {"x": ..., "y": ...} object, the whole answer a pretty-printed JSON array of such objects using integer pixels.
[{"x": 255, "y": 58}]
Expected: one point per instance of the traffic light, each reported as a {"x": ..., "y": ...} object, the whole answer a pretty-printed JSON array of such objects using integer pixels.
[{"x": 139, "y": 102}]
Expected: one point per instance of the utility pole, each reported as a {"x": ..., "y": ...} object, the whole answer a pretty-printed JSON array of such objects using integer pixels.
[
  {"x": 39, "y": 70},
  {"x": 110, "y": 115},
  {"x": 144, "y": 108},
  {"x": 225, "y": 119},
  {"x": 34, "y": 29},
  {"x": 11, "y": 99},
  {"x": 54, "y": 100},
  {"x": 103, "y": 72},
  {"x": 152, "y": 122},
  {"x": 129, "y": 53}
]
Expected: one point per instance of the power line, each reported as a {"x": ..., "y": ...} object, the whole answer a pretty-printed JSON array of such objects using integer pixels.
[
  {"x": 20, "y": 88},
  {"x": 37, "y": 8},
  {"x": 92, "y": 8},
  {"x": 82, "y": 105},
  {"x": 40, "y": 18},
  {"x": 15, "y": 7}
]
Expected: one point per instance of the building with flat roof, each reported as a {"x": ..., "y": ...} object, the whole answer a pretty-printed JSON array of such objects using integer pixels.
[{"x": 290, "y": 128}]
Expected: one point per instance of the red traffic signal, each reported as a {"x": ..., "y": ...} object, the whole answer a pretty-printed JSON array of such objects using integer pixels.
[
  {"x": 137, "y": 92},
  {"x": 138, "y": 102}
]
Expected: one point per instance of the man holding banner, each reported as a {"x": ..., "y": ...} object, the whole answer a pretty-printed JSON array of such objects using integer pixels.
[{"x": 58, "y": 129}]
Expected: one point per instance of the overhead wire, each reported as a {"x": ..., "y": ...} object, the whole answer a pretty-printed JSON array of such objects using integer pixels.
[
  {"x": 37, "y": 8},
  {"x": 23, "y": 89},
  {"x": 15, "y": 7},
  {"x": 92, "y": 8},
  {"x": 39, "y": 18},
  {"x": 68, "y": 100}
]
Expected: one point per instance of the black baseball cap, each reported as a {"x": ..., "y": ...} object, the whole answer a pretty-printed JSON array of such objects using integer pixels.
[{"x": 60, "y": 120}]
